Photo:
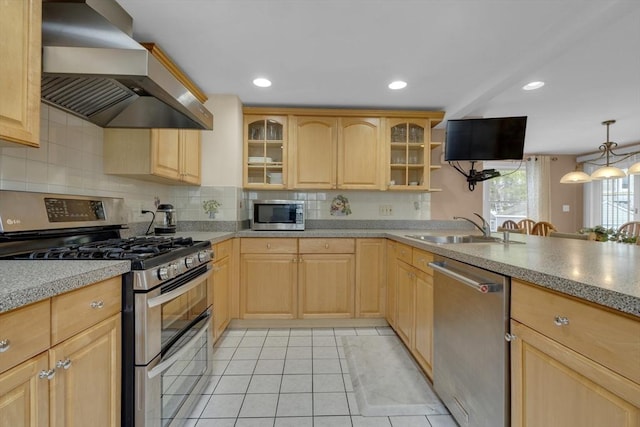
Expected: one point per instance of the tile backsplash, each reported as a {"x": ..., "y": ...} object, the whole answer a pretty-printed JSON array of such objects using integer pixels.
[{"x": 70, "y": 161}]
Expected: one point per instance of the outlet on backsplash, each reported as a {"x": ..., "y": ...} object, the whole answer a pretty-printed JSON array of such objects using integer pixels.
[{"x": 385, "y": 210}]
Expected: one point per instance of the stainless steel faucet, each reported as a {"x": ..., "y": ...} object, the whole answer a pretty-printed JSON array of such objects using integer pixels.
[{"x": 485, "y": 228}]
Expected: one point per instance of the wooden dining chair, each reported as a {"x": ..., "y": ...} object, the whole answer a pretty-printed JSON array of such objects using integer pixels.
[
  {"x": 509, "y": 225},
  {"x": 542, "y": 228},
  {"x": 526, "y": 225},
  {"x": 631, "y": 228}
]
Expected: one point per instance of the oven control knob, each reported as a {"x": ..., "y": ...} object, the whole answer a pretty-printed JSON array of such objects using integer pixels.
[
  {"x": 188, "y": 261},
  {"x": 163, "y": 273},
  {"x": 204, "y": 256}
]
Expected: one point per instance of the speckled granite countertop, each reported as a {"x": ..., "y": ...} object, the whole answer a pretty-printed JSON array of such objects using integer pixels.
[
  {"x": 603, "y": 273},
  {"x": 24, "y": 282}
]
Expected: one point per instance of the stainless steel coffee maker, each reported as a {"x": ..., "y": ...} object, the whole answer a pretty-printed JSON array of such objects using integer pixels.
[{"x": 166, "y": 219}]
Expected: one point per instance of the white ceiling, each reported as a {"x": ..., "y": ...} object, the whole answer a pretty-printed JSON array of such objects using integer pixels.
[{"x": 465, "y": 57}]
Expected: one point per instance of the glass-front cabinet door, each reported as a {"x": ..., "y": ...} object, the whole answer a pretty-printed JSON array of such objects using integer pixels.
[
  {"x": 410, "y": 147},
  {"x": 264, "y": 151}
]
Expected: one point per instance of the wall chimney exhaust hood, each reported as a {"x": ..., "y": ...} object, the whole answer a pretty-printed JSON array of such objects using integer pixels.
[{"x": 92, "y": 67}]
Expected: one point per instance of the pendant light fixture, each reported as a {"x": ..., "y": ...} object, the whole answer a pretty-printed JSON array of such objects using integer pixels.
[{"x": 605, "y": 171}]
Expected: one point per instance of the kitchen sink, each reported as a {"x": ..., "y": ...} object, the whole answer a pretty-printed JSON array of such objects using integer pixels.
[{"x": 428, "y": 238}]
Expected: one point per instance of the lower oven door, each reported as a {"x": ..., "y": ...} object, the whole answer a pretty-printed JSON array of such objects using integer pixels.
[
  {"x": 169, "y": 387},
  {"x": 163, "y": 313}
]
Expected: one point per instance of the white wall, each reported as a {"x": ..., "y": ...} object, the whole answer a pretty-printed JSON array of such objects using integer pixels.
[{"x": 222, "y": 147}]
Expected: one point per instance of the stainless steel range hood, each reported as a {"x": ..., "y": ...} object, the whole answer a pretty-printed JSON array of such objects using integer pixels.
[{"x": 92, "y": 67}]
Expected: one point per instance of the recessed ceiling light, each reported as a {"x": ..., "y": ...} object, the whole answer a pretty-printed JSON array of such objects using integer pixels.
[
  {"x": 262, "y": 82},
  {"x": 398, "y": 84},
  {"x": 533, "y": 85}
]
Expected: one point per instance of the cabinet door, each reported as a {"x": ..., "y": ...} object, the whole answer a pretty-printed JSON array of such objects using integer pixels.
[
  {"x": 326, "y": 284},
  {"x": 370, "y": 278},
  {"x": 406, "y": 294},
  {"x": 553, "y": 386},
  {"x": 190, "y": 156},
  {"x": 409, "y": 154},
  {"x": 423, "y": 344},
  {"x": 392, "y": 266},
  {"x": 359, "y": 154},
  {"x": 165, "y": 153},
  {"x": 313, "y": 152},
  {"x": 20, "y": 50},
  {"x": 265, "y": 145},
  {"x": 268, "y": 286},
  {"x": 221, "y": 296},
  {"x": 24, "y": 397},
  {"x": 87, "y": 392}
]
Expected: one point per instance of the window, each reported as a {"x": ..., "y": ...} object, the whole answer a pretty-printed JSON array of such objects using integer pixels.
[
  {"x": 612, "y": 202},
  {"x": 505, "y": 197}
]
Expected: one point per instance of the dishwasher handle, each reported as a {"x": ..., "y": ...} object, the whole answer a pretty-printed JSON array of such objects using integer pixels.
[{"x": 484, "y": 288}]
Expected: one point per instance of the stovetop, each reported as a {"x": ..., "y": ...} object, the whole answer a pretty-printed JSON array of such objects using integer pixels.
[{"x": 144, "y": 252}]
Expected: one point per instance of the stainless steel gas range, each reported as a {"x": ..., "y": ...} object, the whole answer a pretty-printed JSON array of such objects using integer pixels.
[{"x": 167, "y": 340}]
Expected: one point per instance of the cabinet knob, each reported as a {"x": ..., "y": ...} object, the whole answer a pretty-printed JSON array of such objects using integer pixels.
[
  {"x": 268, "y": 245},
  {"x": 509, "y": 337},
  {"x": 97, "y": 304},
  {"x": 561, "y": 320},
  {"x": 4, "y": 345},
  {"x": 326, "y": 246},
  {"x": 47, "y": 375},
  {"x": 64, "y": 364}
]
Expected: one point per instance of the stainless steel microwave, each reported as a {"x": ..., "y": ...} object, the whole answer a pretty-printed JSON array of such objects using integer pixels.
[{"x": 278, "y": 215}]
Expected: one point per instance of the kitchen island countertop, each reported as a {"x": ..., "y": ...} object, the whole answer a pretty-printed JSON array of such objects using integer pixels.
[{"x": 603, "y": 273}]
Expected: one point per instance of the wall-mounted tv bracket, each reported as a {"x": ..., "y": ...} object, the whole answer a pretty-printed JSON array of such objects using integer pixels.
[{"x": 474, "y": 176}]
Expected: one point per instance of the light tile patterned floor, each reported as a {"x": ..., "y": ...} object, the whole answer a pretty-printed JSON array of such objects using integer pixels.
[{"x": 289, "y": 378}]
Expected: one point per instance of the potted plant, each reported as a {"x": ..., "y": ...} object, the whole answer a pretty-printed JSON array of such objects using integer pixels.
[
  {"x": 602, "y": 234},
  {"x": 211, "y": 207}
]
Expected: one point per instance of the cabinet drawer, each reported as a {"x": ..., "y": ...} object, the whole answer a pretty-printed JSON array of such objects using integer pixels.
[
  {"x": 222, "y": 250},
  {"x": 404, "y": 253},
  {"x": 26, "y": 332},
  {"x": 610, "y": 339},
  {"x": 77, "y": 310},
  {"x": 421, "y": 260},
  {"x": 327, "y": 246},
  {"x": 261, "y": 245}
]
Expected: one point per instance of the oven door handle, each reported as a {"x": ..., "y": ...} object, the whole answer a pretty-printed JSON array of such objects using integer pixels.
[
  {"x": 166, "y": 364},
  {"x": 161, "y": 299}
]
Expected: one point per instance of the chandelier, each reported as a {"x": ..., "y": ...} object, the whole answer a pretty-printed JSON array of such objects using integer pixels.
[{"x": 605, "y": 171}]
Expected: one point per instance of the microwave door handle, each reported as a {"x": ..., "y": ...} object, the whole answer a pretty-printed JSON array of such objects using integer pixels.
[
  {"x": 161, "y": 299},
  {"x": 166, "y": 364}
]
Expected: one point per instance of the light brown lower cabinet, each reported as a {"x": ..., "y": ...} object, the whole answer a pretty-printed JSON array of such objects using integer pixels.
[
  {"x": 220, "y": 279},
  {"x": 572, "y": 364},
  {"x": 283, "y": 278},
  {"x": 413, "y": 282},
  {"x": 74, "y": 380}
]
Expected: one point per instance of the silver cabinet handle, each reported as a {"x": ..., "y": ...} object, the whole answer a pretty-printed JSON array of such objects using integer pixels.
[
  {"x": 509, "y": 337},
  {"x": 97, "y": 304},
  {"x": 4, "y": 345},
  {"x": 64, "y": 364},
  {"x": 47, "y": 375},
  {"x": 561, "y": 320}
]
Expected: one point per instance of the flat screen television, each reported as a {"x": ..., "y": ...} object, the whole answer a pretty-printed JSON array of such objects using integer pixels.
[{"x": 499, "y": 138}]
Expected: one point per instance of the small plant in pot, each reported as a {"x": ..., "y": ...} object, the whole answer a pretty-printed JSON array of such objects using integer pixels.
[{"x": 211, "y": 207}]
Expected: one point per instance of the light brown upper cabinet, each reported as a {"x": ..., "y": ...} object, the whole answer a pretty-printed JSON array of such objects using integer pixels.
[
  {"x": 313, "y": 156},
  {"x": 409, "y": 142},
  {"x": 335, "y": 152},
  {"x": 265, "y": 147},
  {"x": 163, "y": 155},
  {"x": 20, "y": 50},
  {"x": 336, "y": 149}
]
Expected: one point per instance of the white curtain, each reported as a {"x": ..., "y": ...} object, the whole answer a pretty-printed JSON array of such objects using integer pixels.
[{"x": 539, "y": 188}]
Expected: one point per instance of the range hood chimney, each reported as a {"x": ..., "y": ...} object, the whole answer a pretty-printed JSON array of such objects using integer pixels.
[{"x": 92, "y": 67}]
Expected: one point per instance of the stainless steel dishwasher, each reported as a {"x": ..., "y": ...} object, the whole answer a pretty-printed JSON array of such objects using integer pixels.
[{"x": 471, "y": 355}]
